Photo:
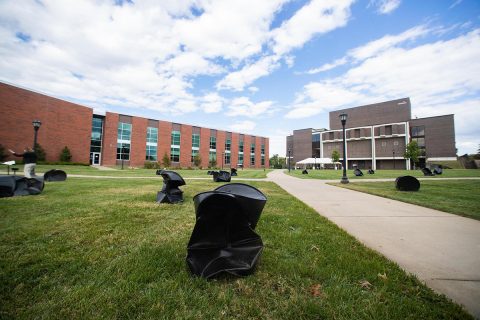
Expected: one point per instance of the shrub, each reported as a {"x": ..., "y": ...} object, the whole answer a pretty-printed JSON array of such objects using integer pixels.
[
  {"x": 166, "y": 160},
  {"x": 151, "y": 165},
  {"x": 197, "y": 160},
  {"x": 65, "y": 155},
  {"x": 41, "y": 154}
]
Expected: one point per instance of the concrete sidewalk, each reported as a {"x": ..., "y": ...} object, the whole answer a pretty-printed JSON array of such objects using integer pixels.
[{"x": 441, "y": 249}]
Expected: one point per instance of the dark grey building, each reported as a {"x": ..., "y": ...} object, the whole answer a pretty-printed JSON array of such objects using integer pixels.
[{"x": 376, "y": 136}]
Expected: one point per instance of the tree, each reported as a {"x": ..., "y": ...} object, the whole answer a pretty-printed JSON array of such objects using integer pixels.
[
  {"x": 166, "y": 160},
  {"x": 197, "y": 160},
  {"x": 41, "y": 154},
  {"x": 65, "y": 155},
  {"x": 412, "y": 152},
  {"x": 212, "y": 163},
  {"x": 3, "y": 155},
  {"x": 335, "y": 157},
  {"x": 277, "y": 162}
]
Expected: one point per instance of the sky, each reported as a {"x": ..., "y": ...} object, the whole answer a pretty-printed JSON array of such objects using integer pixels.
[{"x": 263, "y": 68}]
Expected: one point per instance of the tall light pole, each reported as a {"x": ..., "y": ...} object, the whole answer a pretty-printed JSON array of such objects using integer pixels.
[
  {"x": 343, "y": 119},
  {"x": 315, "y": 165},
  {"x": 289, "y": 151},
  {"x": 393, "y": 159},
  {"x": 36, "y": 126}
]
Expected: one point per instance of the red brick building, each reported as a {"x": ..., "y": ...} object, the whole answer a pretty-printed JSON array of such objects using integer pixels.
[{"x": 107, "y": 139}]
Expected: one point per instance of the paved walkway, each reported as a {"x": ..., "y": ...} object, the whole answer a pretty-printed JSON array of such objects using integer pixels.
[{"x": 441, "y": 249}]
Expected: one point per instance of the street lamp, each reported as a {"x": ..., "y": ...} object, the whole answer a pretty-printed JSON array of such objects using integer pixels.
[
  {"x": 393, "y": 159},
  {"x": 289, "y": 151},
  {"x": 343, "y": 119},
  {"x": 36, "y": 126},
  {"x": 315, "y": 165}
]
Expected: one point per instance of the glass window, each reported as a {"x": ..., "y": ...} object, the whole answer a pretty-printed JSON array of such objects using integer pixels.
[
  {"x": 252, "y": 160},
  {"x": 420, "y": 142},
  {"x": 152, "y": 135},
  {"x": 213, "y": 143},
  {"x": 175, "y": 154},
  {"x": 263, "y": 160},
  {"x": 124, "y": 131},
  {"x": 316, "y": 137},
  {"x": 195, "y": 140},
  {"x": 194, "y": 153},
  {"x": 175, "y": 141},
  {"x": 123, "y": 151},
  {"x": 212, "y": 156},
  {"x": 418, "y": 131},
  {"x": 240, "y": 159},
  {"x": 252, "y": 148},
  {"x": 262, "y": 150},
  {"x": 240, "y": 147},
  {"x": 227, "y": 158},
  {"x": 96, "y": 137},
  {"x": 228, "y": 144},
  {"x": 151, "y": 153}
]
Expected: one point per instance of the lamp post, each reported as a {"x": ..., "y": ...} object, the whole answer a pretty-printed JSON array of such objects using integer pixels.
[
  {"x": 36, "y": 126},
  {"x": 315, "y": 163},
  {"x": 393, "y": 151},
  {"x": 343, "y": 119},
  {"x": 289, "y": 151},
  {"x": 123, "y": 155}
]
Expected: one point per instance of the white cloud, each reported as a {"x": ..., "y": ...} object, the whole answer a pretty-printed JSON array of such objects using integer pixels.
[
  {"x": 328, "y": 66},
  {"x": 253, "y": 89},
  {"x": 212, "y": 103},
  {"x": 385, "y": 6},
  {"x": 243, "y": 126},
  {"x": 439, "y": 77},
  {"x": 242, "y": 106}
]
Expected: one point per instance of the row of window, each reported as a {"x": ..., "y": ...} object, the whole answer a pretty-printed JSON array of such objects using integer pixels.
[{"x": 124, "y": 141}]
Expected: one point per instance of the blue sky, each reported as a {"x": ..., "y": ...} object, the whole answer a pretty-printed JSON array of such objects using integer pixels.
[{"x": 259, "y": 67}]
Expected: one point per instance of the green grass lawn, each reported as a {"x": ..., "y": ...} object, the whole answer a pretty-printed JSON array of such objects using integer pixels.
[
  {"x": 104, "y": 249},
  {"x": 382, "y": 174},
  {"x": 126, "y": 172},
  {"x": 460, "y": 197}
]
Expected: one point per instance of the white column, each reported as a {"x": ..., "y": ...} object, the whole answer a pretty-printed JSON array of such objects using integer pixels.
[
  {"x": 407, "y": 138},
  {"x": 374, "y": 160}
]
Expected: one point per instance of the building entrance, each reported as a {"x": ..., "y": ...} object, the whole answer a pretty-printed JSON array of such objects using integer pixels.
[{"x": 95, "y": 158}]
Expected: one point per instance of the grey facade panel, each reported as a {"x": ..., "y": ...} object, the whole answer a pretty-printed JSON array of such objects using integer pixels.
[
  {"x": 302, "y": 144},
  {"x": 439, "y": 135},
  {"x": 373, "y": 114}
]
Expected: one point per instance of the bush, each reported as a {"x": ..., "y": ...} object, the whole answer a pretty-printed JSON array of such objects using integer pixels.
[
  {"x": 65, "y": 155},
  {"x": 212, "y": 163},
  {"x": 197, "y": 160},
  {"x": 166, "y": 160},
  {"x": 152, "y": 165},
  {"x": 41, "y": 154}
]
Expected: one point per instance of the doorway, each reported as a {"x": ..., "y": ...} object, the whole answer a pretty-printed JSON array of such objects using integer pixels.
[{"x": 95, "y": 158}]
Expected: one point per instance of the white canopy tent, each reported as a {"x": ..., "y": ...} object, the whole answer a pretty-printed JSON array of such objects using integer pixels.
[{"x": 316, "y": 161}]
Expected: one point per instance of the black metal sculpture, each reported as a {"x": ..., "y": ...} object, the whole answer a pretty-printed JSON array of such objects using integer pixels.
[
  {"x": 357, "y": 172},
  {"x": 223, "y": 239},
  {"x": 210, "y": 172},
  {"x": 20, "y": 186},
  {"x": 427, "y": 172},
  {"x": 371, "y": 171},
  {"x": 233, "y": 172},
  {"x": 221, "y": 176},
  {"x": 407, "y": 183},
  {"x": 305, "y": 171},
  {"x": 438, "y": 170},
  {"x": 158, "y": 172},
  {"x": 55, "y": 175},
  {"x": 170, "y": 192}
]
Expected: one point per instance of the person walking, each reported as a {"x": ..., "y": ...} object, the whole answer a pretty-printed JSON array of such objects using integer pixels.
[{"x": 29, "y": 161}]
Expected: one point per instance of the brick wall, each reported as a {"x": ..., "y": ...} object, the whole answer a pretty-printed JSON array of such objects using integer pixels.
[
  {"x": 186, "y": 146},
  {"x": 234, "y": 149},
  {"x": 220, "y": 147},
  {"x": 246, "y": 151},
  {"x": 109, "y": 145},
  {"x": 164, "y": 139},
  {"x": 63, "y": 124},
  {"x": 204, "y": 146},
  {"x": 139, "y": 142}
]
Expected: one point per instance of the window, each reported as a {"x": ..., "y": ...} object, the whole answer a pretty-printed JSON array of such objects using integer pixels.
[
  {"x": 240, "y": 147},
  {"x": 213, "y": 143},
  {"x": 152, "y": 139},
  {"x": 96, "y": 138},
  {"x": 240, "y": 159},
  {"x": 420, "y": 142},
  {"x": 175, "y": 154},
  {"x": 418, "y": 131},
  {"x": 263, "y": 159},
  {"x": 195, "y": 140},
  {"x": 227, "y": 158},
  {"x": 175, "y": 141},
  {"x": 123, "y": 140},
  {"x": 152, "y": 135},
  {"x": 124, "y": 131},
  {"x": 151, "y": 153},
  {"x": 252, "y": 159},
  {"x": 316, "y": 137},
  {"x": 262, "y": 150},
  {"x": 252, "y": 148},
  {"x": 228, "y": 143},
  {"x": 194, "y": 153},
  {"x": 123, "y": 151},
  {"x": 212, "y": 157}
]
